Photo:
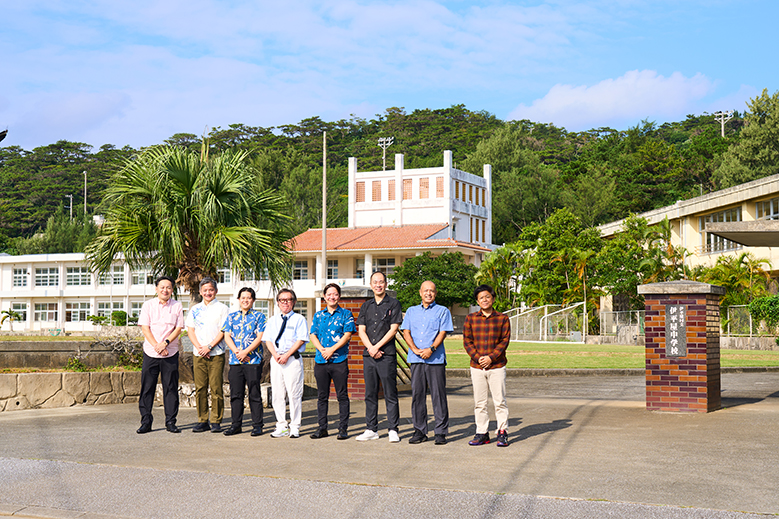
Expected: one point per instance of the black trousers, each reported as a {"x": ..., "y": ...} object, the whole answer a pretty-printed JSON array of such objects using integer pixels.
[
  {"x": 434, "y": 377},
  {"x": 167, "y": 369},
  {"x": 385, "y": 370},
  {"x": 240, "y": 377},
  {"x": 339, "y": 374}
]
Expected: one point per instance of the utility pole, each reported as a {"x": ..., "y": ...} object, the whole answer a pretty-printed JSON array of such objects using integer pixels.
[
  {"x": 85, "y": 194},
  {"x": 71, "y": 205},
  {"x": 722, "y": 118},
  {"x": 384, "y": 143},
  {"x": 324, "y": 211}
]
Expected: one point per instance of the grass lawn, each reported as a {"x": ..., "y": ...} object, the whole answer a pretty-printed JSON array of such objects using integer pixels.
[{"x": 593, "y": 356}]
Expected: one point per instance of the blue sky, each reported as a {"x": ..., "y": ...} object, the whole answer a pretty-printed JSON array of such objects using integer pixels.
[{"x": 138, "y": 72}]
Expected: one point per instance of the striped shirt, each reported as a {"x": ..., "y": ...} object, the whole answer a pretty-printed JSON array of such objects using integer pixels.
[{"x": 487, "y": 336}]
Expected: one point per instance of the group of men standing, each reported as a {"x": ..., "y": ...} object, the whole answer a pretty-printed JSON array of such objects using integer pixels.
[{"x": 213, "y": 331}]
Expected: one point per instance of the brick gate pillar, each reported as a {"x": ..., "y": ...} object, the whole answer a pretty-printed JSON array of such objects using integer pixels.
[
  {"x": 682, "y": 346},
  {"x": 352, "y": 299}
]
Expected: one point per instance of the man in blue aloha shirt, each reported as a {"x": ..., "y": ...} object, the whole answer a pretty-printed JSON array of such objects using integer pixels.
[
  {"x": 243, "y": 336},
  {"x": 331, "y": 332}
]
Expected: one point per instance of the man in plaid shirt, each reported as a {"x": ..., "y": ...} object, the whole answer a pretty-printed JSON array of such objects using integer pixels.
[{"x": 486, "y": 336}]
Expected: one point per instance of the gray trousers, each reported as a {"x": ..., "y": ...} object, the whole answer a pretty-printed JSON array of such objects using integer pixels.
[{"x": 434, "y": 377}]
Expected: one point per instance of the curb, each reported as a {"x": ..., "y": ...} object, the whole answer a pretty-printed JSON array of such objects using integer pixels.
[{"x": 634, "y": 372}]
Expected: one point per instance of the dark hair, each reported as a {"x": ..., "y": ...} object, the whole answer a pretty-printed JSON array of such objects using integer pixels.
[
  {"x": 165, "y": 278},
  {"x": 247, "y": 289},
  {"x": 208, "y": 281},
  {"x": 379, "y": 272},
  {"x": 332, "y": 285},
  {"x": 483, "y": 288},
  {"x": 289, "y": 291}
]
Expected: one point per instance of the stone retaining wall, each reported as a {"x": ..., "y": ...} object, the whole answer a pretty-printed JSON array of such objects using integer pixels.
[
  {"x": 43, "y": 390},
  {"x": 46, "y": 390}
]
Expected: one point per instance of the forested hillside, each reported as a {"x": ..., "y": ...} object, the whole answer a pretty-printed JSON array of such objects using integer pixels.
[{"x": 600, "y": 174}]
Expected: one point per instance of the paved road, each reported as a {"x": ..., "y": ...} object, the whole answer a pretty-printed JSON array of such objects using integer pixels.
[{"x": 582, "y": 447}]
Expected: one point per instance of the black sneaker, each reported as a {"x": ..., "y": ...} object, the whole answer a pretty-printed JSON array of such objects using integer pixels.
[
  {"x": 201, "y": 427},
  {"x": 418, "y": 437},
  {"x": 480, "y": 439},
  {"x": 503, "y": 438}
]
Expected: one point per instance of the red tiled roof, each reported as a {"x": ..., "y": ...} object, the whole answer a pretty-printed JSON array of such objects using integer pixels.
[{"x": 379, "y": 238}]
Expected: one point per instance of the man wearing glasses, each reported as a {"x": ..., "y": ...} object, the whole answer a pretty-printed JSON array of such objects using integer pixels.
[{"x": 286, "y": 336}]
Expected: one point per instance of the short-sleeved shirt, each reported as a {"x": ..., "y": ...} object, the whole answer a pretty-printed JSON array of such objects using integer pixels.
[
  {"x": 243, "y": 329},
  {"x": 378, "y": 318},
  {"x": 329, "y": 328},
  {"x": 207, "y": 320},
  {"x": 162, "y": 319},
  {"x": 425, "y": 324},
  {"x": 296, "y": 330}
]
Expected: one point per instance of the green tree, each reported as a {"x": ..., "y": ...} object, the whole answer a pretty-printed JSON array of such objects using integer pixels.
[
  {"x": 557, "y": 257},
  {"x": 187, "y": 214},
  {"x": 10, "y": 316},
  {"x": 62, "y": 234},
  {"x": 499, "y": 270},
  {"x": 453, "y": 278},
  {"x": 525, "y": 190},
  {"x": 756, "y": 155},
  {"x": 742, "y": 276},
  {"x": 636, "y": 255}
]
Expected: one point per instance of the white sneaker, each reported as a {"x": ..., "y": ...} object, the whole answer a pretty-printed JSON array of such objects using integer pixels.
[
  {"x": 279, "y": 433},
  {"x": 294, "y": 433},
  {"x": 393, "y": 437},
  {"x": 368, "y": 435}
]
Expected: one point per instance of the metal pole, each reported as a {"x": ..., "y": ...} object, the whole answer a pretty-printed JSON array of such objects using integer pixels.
[
  {"x": 85, "y": 194},
  {"x": 324, "y": 210}
]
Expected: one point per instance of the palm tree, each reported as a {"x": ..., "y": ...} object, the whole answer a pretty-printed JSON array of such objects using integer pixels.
[
  {"x": 186, "y": 215},
  {"x": 11, "y": 316},
  {"x": 742, "y": 276}
]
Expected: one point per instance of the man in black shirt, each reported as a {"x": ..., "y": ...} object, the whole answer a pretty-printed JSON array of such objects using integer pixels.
[{"x": 377, "y": 324}]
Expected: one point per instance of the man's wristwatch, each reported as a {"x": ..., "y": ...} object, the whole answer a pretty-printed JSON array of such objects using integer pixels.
[{"x": 167, "y": 341}]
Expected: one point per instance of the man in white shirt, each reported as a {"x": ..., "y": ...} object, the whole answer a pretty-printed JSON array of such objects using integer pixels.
[
  {"x": 204, "y": 327},
  {"x": 286, "y": 335}
]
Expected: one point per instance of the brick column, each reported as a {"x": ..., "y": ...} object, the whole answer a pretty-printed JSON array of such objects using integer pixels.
[
  {"x": 352, "y": 299},
  {"x": 682, "y": 346}
]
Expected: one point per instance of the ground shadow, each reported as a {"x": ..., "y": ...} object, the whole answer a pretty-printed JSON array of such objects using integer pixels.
[{"x": 541, "y": 428}]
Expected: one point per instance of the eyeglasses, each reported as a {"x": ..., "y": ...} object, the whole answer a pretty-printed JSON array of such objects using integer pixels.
[{"x": 285, "y": 300}]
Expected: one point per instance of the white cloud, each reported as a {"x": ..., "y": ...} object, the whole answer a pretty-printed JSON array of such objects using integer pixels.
[{"x": 613, "y": 102}]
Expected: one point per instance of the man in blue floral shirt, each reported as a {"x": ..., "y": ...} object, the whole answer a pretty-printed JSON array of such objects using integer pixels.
[
  {"x": 243, "y": 336},
  {"x": 331, "y": 332}
]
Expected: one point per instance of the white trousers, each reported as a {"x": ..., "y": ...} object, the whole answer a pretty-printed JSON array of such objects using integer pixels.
[
  {"x": 287, "y": 379},
  {"x": 492, "y": 381}
]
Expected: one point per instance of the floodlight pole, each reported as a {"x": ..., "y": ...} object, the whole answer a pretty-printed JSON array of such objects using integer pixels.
[
  {"x": 71, "y": 205},
  {"x": 384, "y": 143},
  {"x": 85, "y": 194},
  {"x": 324, "y": 210},
  {"x": 722, "y": 118}
]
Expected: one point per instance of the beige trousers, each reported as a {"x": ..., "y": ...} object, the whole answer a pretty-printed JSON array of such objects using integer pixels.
[{"x": 494, "y": 382}]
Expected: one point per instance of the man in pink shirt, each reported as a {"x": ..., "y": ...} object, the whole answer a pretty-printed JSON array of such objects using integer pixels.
[{"x": 161, "y": 321}]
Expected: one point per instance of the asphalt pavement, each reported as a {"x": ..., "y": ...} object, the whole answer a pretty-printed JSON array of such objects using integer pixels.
[{"x": 580, "y": 447}]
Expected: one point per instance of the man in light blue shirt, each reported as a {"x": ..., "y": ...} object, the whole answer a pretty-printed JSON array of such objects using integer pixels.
[{"x": 424, "y": 328}]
